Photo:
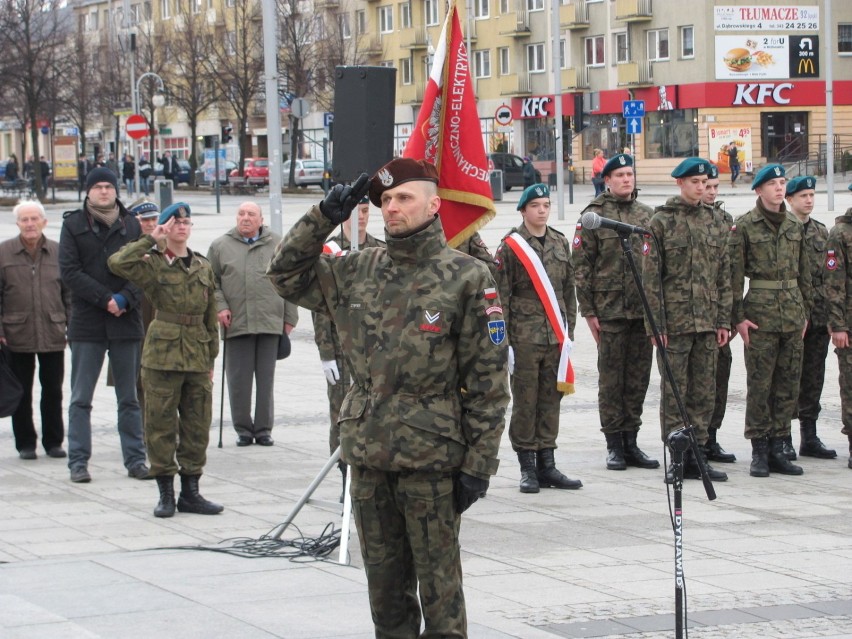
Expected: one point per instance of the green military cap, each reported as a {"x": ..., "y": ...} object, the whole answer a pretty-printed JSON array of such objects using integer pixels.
[
  {"x": 178, "y": 209},
  {"x": 532, "y": 193},
  {"x": 850, "y": 187},
  {"x": 768, "y": 172},
  {"x": 801, "y": 183},
  {"x": 692, "y": 166},
  {"x": 618, "y": 161},
  {"x": 713, "y": 173}
]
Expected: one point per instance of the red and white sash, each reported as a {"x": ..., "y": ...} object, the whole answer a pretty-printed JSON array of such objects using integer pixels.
[
  {"x": 333, "y": 248},
  {"x": 535, "y": 269}
]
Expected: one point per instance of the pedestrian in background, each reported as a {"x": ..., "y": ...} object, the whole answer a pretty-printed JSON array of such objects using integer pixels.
[
  {"x": 733, "y": 153},
  {"x": 598, "y": 177},
  {"x": 128, "y": 173}
]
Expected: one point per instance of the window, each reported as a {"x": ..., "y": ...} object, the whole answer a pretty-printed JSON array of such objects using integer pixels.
[
  {"x": 504, "y": 6},
  {"x": 535, "y": 5},
  {"x": 343, "y": 25},
  {"x": 594, "y": 51},
  {"x": 563, "y": 49},
  {"x": 361, "y": 22},
  {"x": 386, "y": 19},
  {"x": 658, "y": 44},
  {"x": 622, "y": 48},
  {"x": 482, "y": 64},
  {"x": 672, "y": 134},
  {"x": 430, "y": 8},
  {"x": 231, "y": 42},
  {"x": 93, "y": 21},
  {"x": 196, "y": 6},
  {"x": 687, "y": 42},
  {"x": 406, "y": 71},
  {"x": 844, "y": 38},
  {"x": 480, "y": 9},
  {"x": 405, "y": 15},
  {"x": 503, "y": 57},
  {"x": 535, "y": 58}
]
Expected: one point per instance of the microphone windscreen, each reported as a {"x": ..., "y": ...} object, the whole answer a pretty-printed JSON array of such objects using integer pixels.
[{"x": 590, "y": 220}]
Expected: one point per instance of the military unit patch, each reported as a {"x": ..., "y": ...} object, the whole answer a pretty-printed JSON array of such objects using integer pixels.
[
  {"x": 576, "y": 241},
  {"x": 830, "y": 260},
  {"x": 432, "y": 323},
  {"x": 490, "y": 293},
  {"x": 646, "y": 247},
  {"x": 497, "y": 331},
  {"x": 494, "y": 309}
]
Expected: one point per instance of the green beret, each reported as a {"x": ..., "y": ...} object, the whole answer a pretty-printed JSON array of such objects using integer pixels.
[
  {"x": 768, "y": 172},
  {"x": 616, "y": 162},
  {"x": 692, "y": 166},
  {"x": 713, "y": 173},
  {"x": 398, "y": 171},
  {"x": 801, "y": 183},
  {"x": 532, "y": 193},
  {"x": 850, "y": 187},
  {"x": 178, "y": 209}
]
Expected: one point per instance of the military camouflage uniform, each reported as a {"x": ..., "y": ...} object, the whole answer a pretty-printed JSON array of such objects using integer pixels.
[
  {"x": 179, "y": 352},
  {"x": 328, "y": 343},
  {"x": 606, "y": 290},
  {"x": 780, "y": 295},
  {"x": 687, "y": 266},
  {"x": 418, "y": 322},
  {"x": 724, "y": 358},
  {"x": 475, "y": 247},
  {"x": 838, "y": 293},
  {"x": 535, "y": 399}
]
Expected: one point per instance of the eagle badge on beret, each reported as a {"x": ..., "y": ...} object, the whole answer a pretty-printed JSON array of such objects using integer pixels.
[{"x": 385, "y": 177}]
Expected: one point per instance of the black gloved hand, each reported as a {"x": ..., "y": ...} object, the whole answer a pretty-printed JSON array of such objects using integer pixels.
[
  {"x": 467, "y": 489},
  {"x": 338, "y": 204}
]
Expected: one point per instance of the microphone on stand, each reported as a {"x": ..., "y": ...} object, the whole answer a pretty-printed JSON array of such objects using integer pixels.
[{"x": 591, "y": 221}]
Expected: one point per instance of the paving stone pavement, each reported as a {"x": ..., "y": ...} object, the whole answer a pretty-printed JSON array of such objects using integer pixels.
[{"x": 769, "y": 558}]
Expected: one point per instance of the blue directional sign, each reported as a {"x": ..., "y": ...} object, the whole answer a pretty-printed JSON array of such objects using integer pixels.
[
  {"x": 327, "y": 119},
  {"x": 634, "y": 126},
  {"x": 633, "y": 108}
]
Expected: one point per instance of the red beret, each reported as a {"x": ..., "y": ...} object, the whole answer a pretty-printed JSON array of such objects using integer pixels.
[{"x": 398, "y": 171}]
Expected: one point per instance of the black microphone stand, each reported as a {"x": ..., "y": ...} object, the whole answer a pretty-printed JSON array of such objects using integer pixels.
[{"x": 678, "y": 441}]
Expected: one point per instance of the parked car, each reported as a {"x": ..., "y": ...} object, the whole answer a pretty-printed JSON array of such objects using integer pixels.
[
  {"x": 307, "y": 172},
  {"x": 182, "y": 176},
  {"x": 254, "y": 170},
  {"x": 227, "y": 165},
  {"x": 512, "y": 167}
]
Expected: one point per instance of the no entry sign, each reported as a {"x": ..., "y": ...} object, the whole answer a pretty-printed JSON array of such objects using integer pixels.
[{"x": 137, "y": 127}]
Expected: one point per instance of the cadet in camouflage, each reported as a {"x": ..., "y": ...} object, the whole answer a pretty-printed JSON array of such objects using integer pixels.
[
  {"x": 768, "y": 247},
  {"x": 687, "y": 267},
  {"x": 418, "y": 322},
  {"x": 838, "y": 294},
  {"x": 610, "y": 302}
]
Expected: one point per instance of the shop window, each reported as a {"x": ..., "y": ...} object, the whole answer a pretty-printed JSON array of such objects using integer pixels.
[{"x": 671, "y": 134}]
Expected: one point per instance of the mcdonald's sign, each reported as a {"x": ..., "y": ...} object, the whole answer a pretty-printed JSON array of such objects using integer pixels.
[{"x": 804, "y": 56}]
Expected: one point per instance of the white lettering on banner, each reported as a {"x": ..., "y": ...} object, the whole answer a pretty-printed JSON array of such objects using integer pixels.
[
  {"x": 534, "y": 107},
  {"x": 745, "y": 93},
  {"x": 455, "y": 107}
]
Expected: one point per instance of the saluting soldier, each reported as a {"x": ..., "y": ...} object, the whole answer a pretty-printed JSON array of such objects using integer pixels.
[
  {"x": 610, "y": 302},
  {"x": 769, "y": 249},
  {"x": 178, "y": 356},
  {"x": 687, "y": 266}
]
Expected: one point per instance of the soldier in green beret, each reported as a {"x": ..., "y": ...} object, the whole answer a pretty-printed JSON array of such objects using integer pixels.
[
  {"x": 768, "y": 247},
  {"x": 178, "y": 356}
]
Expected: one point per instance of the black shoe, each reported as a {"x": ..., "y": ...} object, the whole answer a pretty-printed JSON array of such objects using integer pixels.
[
  {"x": 714, "y": 452},
  {"x": 634, "y": 456},
  {"x": 57, "y": 452},
  {"x": 810, "y": 445},
  {"x": 166, "y": 506},
  {"x": 529, "y": 477},
  {"x": 244, "y": 440},
  {"x": 80, "y": 475},
  {"x": 759, "y": 457},
  {"x": 139, "y": 471},
  {"x": 191, "y": 501},
  {"x": 787, "y": 448},
  {"x": 549, "y": 476},
  {"x": 28, "y": 453},
  {"x": 615, "y": 452},
  {"x": 264, "y": 440},
  {"x": 778, "y": 460}
]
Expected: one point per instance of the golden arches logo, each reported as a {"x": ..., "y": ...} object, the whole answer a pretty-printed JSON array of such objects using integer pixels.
[{"x": 806, "y": 66}]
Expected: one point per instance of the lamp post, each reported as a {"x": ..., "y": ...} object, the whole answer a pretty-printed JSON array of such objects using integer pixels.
[{"x": 157, "y": 100}]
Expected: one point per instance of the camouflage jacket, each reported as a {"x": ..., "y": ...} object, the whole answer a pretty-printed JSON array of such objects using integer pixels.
[
  {"x": 687, "y": 266},
  {"x": 325, "y": 334},
  {"x": 816, "y": 236},
  {"x": 718, "y": 207},
  {"x": 838, "y": 274},
  {"x": 475, "y": 247},
  {"x": 779, "y": 257},
  {"x": 526, "y": 319},
  {"x": 186, "y": 338},
  {"x": 418, "y": 322},
  {"x": 605, "y": 285}
]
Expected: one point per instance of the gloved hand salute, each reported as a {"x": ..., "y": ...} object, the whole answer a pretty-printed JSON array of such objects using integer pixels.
[{"x": 342, "y": 199}]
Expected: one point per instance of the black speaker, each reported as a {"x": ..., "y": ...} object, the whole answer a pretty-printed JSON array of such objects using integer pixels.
[{"x": 364, "y": 99}]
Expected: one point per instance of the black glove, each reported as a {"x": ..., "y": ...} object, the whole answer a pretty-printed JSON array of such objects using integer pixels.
[
  {"x": 467, "y": 489},
  {"x": 338, "y": 204}
]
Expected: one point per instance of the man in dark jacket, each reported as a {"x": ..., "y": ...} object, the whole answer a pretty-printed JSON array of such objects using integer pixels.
[{"x": 104, "y": 318}]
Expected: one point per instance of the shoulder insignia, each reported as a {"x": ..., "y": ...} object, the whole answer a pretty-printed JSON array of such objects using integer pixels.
[
  {"x": 490, "y": 293},
  {"x": 830, "y": 260},
  {"x": 497, "y": 331}
]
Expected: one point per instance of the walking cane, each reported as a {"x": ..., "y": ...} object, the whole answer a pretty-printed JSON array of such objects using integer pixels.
[{"x": 222, "y": 395}]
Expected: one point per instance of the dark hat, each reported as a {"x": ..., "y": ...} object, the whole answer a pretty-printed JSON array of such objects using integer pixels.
[
  {"x": 364, "y": 200},
  {"x": 144, "y": 208},
  {"x": 98, "y": 175},
  {"x": 768, "y": 172},
  {"x": 801, "y": 183},
  {"x": 692, "y": 166},
  {"x": 533, "y": 193},
  {"x": 178, "y": 209},
  {"x": 618, "y": 161},
  {"x": 713, "y": 173},
  {"x": 399, "y": 171}
]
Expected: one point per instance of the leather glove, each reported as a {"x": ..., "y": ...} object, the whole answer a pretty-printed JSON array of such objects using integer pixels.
[
  {"x": 342, "y": 199},
  {"x": 332, "y": 374},
  {"x": 467, "y": 489},
  {"x": 511, "y": 361}
]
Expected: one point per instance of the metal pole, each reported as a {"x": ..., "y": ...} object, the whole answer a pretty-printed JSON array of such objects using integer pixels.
[
  {"x": 557, "y": 114},
  {"x": 829, "y": 106},
  {"x": 273, "y": 113},
  {"x": 216, "y": 172}
]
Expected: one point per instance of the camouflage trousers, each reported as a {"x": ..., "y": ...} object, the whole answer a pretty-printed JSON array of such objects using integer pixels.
[
  {"x": 535, "y": 399},
  {"x": 624, "y": 372},
  {"x": 336, "y": 393},
  {"x": 177, "y": 420},
  {"x": 724, "y": 359},
  {"x": 814, "y": 352},
  {"x": 773, "y": 368},
  {"x": 409, "y": 533},
  {"x": 692, "y": 358},
  {"x": 844, "y": 362}
]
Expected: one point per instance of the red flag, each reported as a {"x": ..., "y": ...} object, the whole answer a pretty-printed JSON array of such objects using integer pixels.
[{"x": 448, "y": 135}]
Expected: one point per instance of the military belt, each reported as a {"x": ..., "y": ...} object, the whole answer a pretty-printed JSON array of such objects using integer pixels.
[
  {"x": 774, "y": 285},
  {"x": 179, "y": 318}
]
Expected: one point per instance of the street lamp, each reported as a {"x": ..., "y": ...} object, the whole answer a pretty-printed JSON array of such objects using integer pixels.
[{"x": 157, "y": 100}]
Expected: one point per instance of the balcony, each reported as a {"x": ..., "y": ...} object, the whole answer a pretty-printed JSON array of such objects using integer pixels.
[
  {"x": 574, "y": 16},
  {"x": 372, "y": 47},
  {"x": 328, "y": 5},
  {"x": 515, "y": 25},
  {"x": 514, "y": 84},
  {"x": 411, "y": 93},
  {"x": 633, "y": 10},
  {"x": 635, "y": 74},
  {"x": 575, "y": 78},
  {"x": 414, "y": 39}
]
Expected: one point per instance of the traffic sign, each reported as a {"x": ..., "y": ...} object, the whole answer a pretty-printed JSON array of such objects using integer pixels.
[
  {"x": 137, "y": 127},
  {"x": 300, "y": 107},
  {"x": 633, "y": 108},
  {"x": 503, "y": 115},
  {"x": 327, "y": 119},
  {"x": 634, "y": 125}
]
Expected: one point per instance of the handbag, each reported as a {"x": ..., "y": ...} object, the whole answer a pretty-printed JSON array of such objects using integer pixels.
[
  {"x": 11, "y": 390},
  {"x": 283, "y": 346}
]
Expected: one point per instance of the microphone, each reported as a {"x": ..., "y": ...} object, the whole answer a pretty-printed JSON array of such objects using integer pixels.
[{"x": 591, "y": 220}]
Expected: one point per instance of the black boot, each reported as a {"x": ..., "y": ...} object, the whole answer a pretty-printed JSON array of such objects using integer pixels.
[
  {"x": 810, "y": 445},
  {"x": 759, "y": 457},
  {"x": 691, "y": 469},
  {"x": 191, "y": 501},
  {"x": 849, "y": 463},
  {"x": 778, "y": 460},
  {"x": 714, "y": 452},
  {"x": 166, "y": 505},
  {"x": 529, "y": 477},
  {"x": 633, "y": 455},
  {"x": 787, "y": 447},
  {"x": 549, "y": 477},
  {"x": 615, "y": 452},
  {"x": 670, "y": 471}
]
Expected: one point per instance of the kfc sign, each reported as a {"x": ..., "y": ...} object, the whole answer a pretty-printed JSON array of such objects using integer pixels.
[
  {"x": 535, "y": 107},
  {"x": 758, "y": 92}
]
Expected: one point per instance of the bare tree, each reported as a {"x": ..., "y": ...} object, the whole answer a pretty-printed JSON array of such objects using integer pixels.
[{"x": 76, "y": 92}]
